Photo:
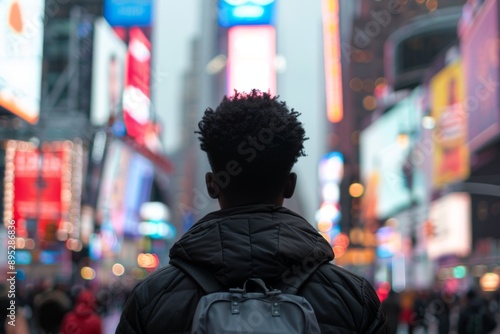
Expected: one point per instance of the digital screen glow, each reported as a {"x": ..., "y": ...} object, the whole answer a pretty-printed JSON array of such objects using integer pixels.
[
  {"x": 246, "y": 12},
  {"x": 21, "y": 40},
  {"x": 251, "y": 61},
  {"x": 136, "y": 97},
  {"x": 450, "y": 217},
  {"x": 128, "y": 13},
  {"x": 333, "y": 66},
  {"x": 108, "y": 67}
]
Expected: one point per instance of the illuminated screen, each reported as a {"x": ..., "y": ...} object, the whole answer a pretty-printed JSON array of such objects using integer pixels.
[
  {"x": 333, "y": 67},
  {"x": 450, "y": 219},
  {"x": 136, "y": 97},
  {"x": 451, "y": 154},
  {"x": 139, "y": 183},
  {"x": 21, "y": 44},
  {"x": 108, "y": 67},
  {"x": 111, "y": 204},
  {"x": 126, "y": 185},
  {"x": 246, "y": 12},
  {"x": 251, "y": 61},
  {"x": 127, "y": 13},
  {"x": 391, "y": 160},
  {"x": 481, "y": 57},
  {"x": 38, "y": 186}
]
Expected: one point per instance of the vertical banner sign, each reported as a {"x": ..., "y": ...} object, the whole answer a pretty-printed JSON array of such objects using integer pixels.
[
  {"x": 333, "y": 68},
  {"x": 451, "y": 154},
  {"x": 251, "y": 61},
  {"x": 136, "y": 97},
  {"x": 480, "y": 46}
]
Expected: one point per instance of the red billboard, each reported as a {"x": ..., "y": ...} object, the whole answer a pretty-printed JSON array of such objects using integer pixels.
[
  {"x": 38, "y": 186},
  {"x": 136, "y": 97}
]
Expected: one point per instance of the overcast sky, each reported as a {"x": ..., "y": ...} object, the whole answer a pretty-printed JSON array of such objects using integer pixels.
[
  {"x": 299, "y": 40},
  {"x": 176, "y": 23}
]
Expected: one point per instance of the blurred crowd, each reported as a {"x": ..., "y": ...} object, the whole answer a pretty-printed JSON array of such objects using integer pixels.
[
  {"x": 440, "y": 311},
  {"x": 54, "y": 308}
]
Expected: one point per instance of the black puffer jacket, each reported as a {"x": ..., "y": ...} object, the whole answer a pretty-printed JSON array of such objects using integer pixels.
[{"x": 264, "y": 241}]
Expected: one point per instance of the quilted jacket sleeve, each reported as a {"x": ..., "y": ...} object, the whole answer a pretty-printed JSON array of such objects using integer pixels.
[
  {"x": 130, "y": 321},
  {"x": 344, "y": 303},
  {"x": 163, "y": 303},
  {"x": 374, "y": 319}
]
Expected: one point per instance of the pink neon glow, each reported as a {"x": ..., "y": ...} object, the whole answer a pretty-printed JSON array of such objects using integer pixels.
[{"x": 333, "y": 69}]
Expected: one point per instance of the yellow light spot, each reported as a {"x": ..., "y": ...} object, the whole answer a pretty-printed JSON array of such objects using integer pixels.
[
  {"x": 87, "y": 273},
  {"x": 118, "y": 269},
  {"x": 370, "y": 102},
  {"x": 356, "y": 190}
]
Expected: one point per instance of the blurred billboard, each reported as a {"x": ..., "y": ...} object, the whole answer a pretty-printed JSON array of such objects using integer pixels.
[
  {"x": 246, "y": 12},
  {"x": 481, "y": 56},
  {"x": 450, "y": 226},
  {"x": 21, "y": 44},
  {"x": 136, "y": 96},
  {"x": 108, "y": 67},
  {"x": 392, "y": 160},
  {"x": 451, "y": 154},
  {"x": 128, "y": 13},
  {"x": 251, "y": 59}
]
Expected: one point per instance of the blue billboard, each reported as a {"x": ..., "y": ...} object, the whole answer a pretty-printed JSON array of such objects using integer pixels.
[
  {"x": 128, "y": 13},
  {"x": 246, "y": 12}
]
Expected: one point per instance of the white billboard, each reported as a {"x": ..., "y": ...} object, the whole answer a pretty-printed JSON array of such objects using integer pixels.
[
  {"x": 21, "y": 51},
  {"x": 108, "y": 73},
  {"x": 450, "y": 226}
]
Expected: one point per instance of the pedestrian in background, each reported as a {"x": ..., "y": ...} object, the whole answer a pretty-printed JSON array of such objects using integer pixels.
[
  {"x": 83, "y": 318},
  {"x": 476, "y": 317}
]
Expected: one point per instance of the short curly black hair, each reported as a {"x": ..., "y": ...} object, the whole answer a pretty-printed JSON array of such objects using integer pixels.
[{"x": 252, "y": 141}]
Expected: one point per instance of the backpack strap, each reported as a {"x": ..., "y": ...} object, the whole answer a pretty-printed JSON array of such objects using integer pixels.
[{"x": 202, "y": 277}]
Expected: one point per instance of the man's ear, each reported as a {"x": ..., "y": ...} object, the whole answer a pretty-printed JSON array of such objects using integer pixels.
[
  {"x": 212, "y": 187},
  {"x": 291, "y": 182}
]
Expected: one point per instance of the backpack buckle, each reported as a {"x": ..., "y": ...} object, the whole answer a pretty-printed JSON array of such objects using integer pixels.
[
  {"x": 235, "y": 305},
  {"x": 275, "y": 309}
]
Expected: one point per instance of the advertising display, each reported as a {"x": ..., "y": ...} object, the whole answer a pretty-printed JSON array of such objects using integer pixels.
[
  {"x": 126, "y": 185},
  {"x": 108, "y": 68},
  {"x": 111, "y": 203},
  {"x": 128, "y": 13},
  {"x": 481, "y": 58},
  {"x": 136, "y": 97},
  {"x": 392, "y": 160},
  {"x": 449, "y": 226},
  {"x": 332, "y": 59},
  {"x": 251, "y": 59},
  {"x": 451, "y": 155},
  {"x": 37, "y": 187},
  {"x": 246, "y": 12},
  {"x": 21, "y": 40},
  {"x": 138, "y": 191}
]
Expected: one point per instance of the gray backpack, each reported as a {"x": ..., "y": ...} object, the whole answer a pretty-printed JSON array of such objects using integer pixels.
[{"x": 254, "y": 308}]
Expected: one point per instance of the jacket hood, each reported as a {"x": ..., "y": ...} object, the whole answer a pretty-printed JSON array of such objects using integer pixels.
[{"x": 265, "y": 241}]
